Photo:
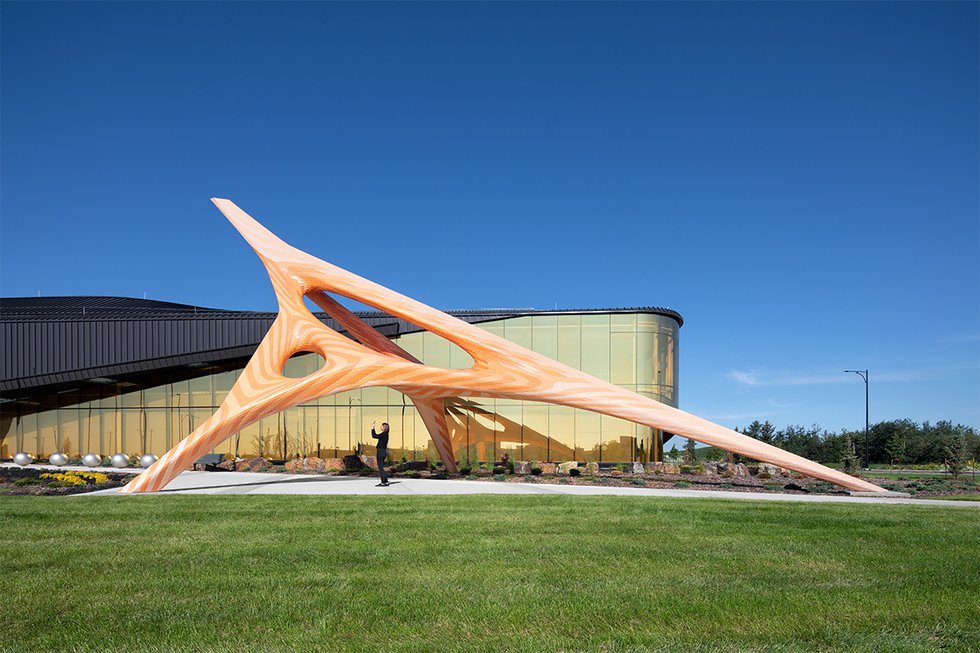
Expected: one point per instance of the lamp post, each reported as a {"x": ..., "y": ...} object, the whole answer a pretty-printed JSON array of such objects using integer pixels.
[{"x": 867, "y": 455}]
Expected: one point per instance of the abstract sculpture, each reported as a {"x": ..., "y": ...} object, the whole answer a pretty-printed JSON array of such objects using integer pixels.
[{"x": 501, "y": 369}]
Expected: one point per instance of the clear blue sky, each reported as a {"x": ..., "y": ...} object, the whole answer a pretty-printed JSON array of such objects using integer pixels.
[{"x": 799, "y": 180}]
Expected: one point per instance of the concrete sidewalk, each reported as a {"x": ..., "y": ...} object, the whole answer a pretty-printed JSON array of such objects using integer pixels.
[{"x": 255, "y": 483}]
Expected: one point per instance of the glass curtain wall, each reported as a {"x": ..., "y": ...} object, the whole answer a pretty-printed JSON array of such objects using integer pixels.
[{"x": 638, "y": 351}]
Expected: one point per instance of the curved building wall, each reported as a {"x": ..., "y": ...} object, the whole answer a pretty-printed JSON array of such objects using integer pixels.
[{"x": 638, "y": 351}]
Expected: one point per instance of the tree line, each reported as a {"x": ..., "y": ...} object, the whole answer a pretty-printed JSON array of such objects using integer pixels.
[{"x": 891, "y": 442}]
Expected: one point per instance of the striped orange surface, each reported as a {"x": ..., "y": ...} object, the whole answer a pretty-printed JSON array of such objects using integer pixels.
[{"x": 501, "y": 369}]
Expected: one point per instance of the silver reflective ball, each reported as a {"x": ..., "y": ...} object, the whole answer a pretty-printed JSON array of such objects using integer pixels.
[
  {"x": 147, "y": 459},
  {"x": 23, "y": 459},
  {"x": 58, "y": 459},
  {"x": 91, "y": 460},
  {"x": 120, "y": 460}
]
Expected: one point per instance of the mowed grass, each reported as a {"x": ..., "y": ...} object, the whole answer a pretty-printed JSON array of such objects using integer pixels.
[{"x": 484, "y": 573}]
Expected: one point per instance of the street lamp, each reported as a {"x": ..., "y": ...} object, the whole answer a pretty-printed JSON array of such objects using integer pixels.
[{"x": 867, "y": 456}]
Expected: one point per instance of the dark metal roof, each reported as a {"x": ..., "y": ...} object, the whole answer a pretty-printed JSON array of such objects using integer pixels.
[{"x": 53, "y": 342}]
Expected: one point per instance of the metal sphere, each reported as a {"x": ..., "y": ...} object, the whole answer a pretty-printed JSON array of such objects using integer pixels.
[
  {"x": 58, "y": 459},
  {"x": 147, "y": 459},
  {"x": 120, "y": 460},
  {"x": 91, "y": 460},
  {"x": 23, "y": 458}
]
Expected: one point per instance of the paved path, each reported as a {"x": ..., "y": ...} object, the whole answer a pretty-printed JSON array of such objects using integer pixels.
[{"x": 253, "y": 483}]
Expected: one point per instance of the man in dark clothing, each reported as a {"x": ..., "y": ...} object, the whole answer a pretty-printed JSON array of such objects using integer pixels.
[{"x": 382, "y": 439}]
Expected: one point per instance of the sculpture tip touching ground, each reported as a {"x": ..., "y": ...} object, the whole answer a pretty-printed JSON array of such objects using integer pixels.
[{"x": 500, "y": 369}]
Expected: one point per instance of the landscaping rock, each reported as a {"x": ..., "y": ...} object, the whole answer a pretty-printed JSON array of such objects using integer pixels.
[
  {"x": 229, "y": 465},
  {"x": 353, "y": 463},
  {"x": 547, "y": 468},
  {"x": 252, "y": 465},
  {"x": 769, "y": 468},
  {"x": 671, "y": 468},
  {"x": 616, "y": 472},
  {"x": 371, "y": 462},
  {"x": 712, "y": 470},
  {"x": 295, "y": 466},
  {"x": 412, "y": 465},
  {"x": 333, "y": 465},
  {"x": 739, "y": 469},
  {"x": 638, "y": 468},
  {"x": 655, "y": 468},
  {"x": 522, "y": 467},
  {"x": 563, "y": 468}
]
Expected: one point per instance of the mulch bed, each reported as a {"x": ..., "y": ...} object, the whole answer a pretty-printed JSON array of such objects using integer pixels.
[{"x": 9, "y": 476}]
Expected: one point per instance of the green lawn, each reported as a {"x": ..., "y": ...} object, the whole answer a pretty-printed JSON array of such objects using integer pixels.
[{"x": 484, "y": 573}]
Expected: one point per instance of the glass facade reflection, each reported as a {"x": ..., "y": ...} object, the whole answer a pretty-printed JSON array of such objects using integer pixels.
[{"x": 638, "y": 351}]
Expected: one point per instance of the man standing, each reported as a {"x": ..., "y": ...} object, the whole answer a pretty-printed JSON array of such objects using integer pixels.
[{"x": 382, "y": 439}]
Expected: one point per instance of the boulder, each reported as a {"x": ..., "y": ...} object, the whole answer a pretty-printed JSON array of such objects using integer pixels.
[
  {"x": 547, "y": 468},
  {"x": 229, "y": 465},
  {"x": 591, "y": 468},
  {"x": 739, "y": 469},
  {"x": 616, "y": 472},
  {"x": 252, "y": 465},
  {"x": 769, "y": 468},
  {"x": 333, "y": 465},
  {"x": 412, "y": 465},
  {"x": 671, "y": 468},
  {"x": 563, "y": 468},
  {"x": 371, "y": 462},
  {"x": 295, "y": 466},
  {"x": 522, "y": 467},
  {"x": 638, "y": 468},
  {"x": 712, "y": 469},
  {"x": 314, "y": 464},
  {"x": 353, "y": 463},
  {"x": 655, "y": 468}
]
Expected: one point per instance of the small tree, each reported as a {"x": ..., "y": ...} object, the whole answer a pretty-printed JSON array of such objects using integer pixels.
[
  {"x": 955, "y": 455},
  {"x": 690, "y": 457},
  {"x": 895, "y": 446},
  {"x": 673, "y": 454},
  {"x": 849, "y": 460}
]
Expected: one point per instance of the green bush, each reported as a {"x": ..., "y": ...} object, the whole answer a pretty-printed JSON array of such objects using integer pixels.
[
  {"x": 726, "y": 485},
  {"x": 638, "y": 481},
  {"x": 565, "y": 481},
  {"x": 27, "y": 480},
  {"x": 822, "y": 486},
  {"x": 471, "y": 477},
  {"x": 574, "y": 471},
  {"x": 465, "y": 471},
  {"x": 536, "y": 471},
  {"x": 499, "y": 469},
  {"x": 528, "y": 479},
  {"x": 499, "y": 477},
  {"x": 413, "y": 474},
  {"x": 681, "y": 484},
  {"x": 510, "y": 466},
  {"x": 687, "y": 469},
  {"x": 764, "y": 475}
]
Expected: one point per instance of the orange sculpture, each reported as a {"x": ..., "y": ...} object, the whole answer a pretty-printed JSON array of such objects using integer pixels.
[{"x": 501, "y": 369}]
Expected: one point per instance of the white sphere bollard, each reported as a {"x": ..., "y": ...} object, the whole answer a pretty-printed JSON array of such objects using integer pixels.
[
  {"x": 147, "y": 459},
  {"x": 91, "y": 460},
  {"x": 119, "y": 460},
  {"x": 23, "y": 458},
  {"x": 58, "y": 459}
]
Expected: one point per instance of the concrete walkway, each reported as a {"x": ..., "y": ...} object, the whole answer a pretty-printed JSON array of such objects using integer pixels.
[{"x": 254, "y": 483}]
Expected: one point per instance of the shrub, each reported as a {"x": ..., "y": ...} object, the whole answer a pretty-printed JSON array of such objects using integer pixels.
[
  {"x": 499, "y": 477},
  {"x": 27, "y": 480},
  {"x": 687, "y": 469},
  {"x": 510, "y": 466},
  {"x": 536, "y": 471},
  {"x": 499, "y": 469},
  {"x": 413, "y": 474},
  {"x": 465, "y": 471},
  {"x": 471, "y": 477},
  {"x": 638, "y": 481},
  {"x": 528, "y": 479},
  {"x": 764, "y": 475},
  {"x": 574, "y": 471},
  {"x": 681, "y": 484},
  {"x": 726, "y": 485},
  {"x": 727, "y": 474},
  {"x": 65, "y": 480},
  {"x": 821, "y": 486},
  {"x": 564, "y": 480}
]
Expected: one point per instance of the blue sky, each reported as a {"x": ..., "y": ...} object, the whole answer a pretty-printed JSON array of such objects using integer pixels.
[{"x": 799, "y": 180}]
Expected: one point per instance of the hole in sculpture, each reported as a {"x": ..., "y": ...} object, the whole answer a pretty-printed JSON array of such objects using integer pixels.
[
  {"x": 430, "y": 348},
  {"x": 302, "y": 363}
]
